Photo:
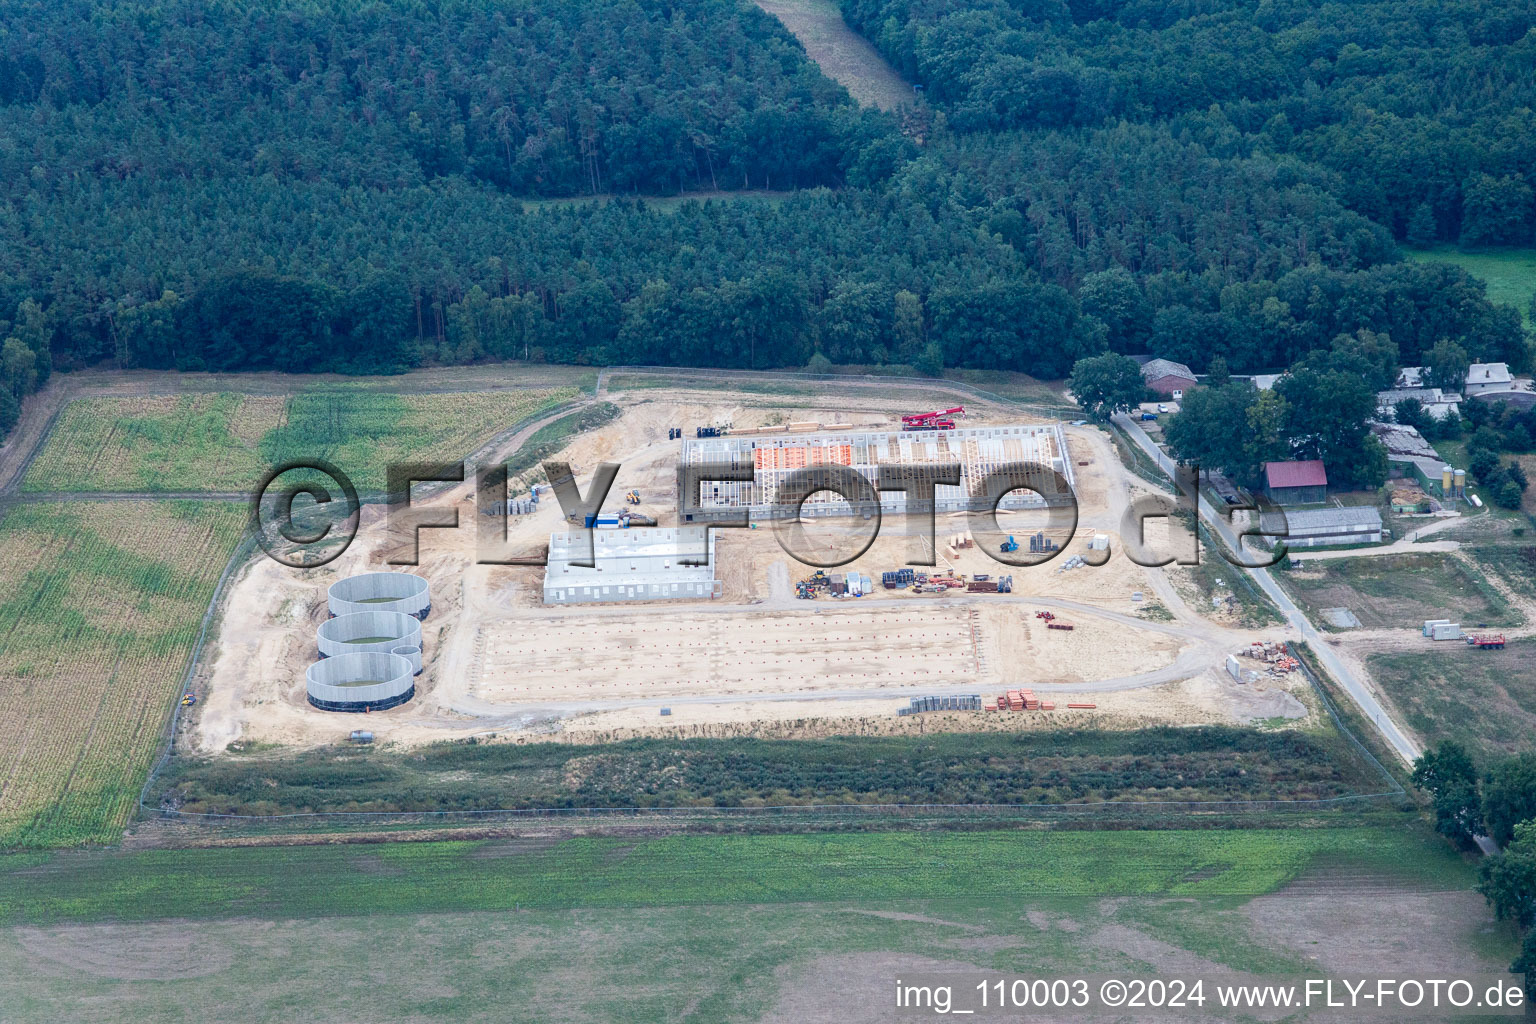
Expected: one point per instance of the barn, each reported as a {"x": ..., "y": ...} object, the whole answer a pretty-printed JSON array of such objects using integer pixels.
[
  {"x": 1296, "y": 483},
  {"x": 1167, "y": 377}
]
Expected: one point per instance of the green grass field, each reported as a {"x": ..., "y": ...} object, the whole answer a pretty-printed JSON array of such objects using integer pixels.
[
  {"x": 1399, "y": 590},
  {"x": 1510, "y": 273},
  {"x": 704, "y": 929},
  {"x": 685, "y": 870},
  {"x": 225, "y": 442},
  {"x": 1485, "y": 700},
  {"x": 1513, "y": 564},
  {"x": 101, "y": 608}
]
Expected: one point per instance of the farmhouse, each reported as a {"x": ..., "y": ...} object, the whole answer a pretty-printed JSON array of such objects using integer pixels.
[
  {"x": 1486, "y": 377},
  {"x": 1296, "y": 483},
  {"x": 1167, "y": 377}
]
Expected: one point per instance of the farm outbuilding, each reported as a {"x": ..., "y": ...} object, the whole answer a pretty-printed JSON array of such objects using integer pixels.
[
  {"x": 1296, "y": 483},
  {"x": 1167, "y": 377},
  {"x": 1331, "y": 527},
  {"x": 360, "y": 682},
  {"x": 370, "y": 633},
  {"x": 381, "y": 592},
  {"x": 637, "y": 564}
]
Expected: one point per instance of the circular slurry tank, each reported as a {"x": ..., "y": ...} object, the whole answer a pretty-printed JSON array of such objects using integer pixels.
[
  {"x": 381, "y": 592},
  {"x": 360, "y": 682},
  {"x": 368, "y": 633},
  {"x": 411, "y": 653}
]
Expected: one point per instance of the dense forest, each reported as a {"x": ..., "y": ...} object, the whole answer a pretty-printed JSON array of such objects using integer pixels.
[
  {"x": 323, "y": 185},
  {"x": 1431, "y": 99}
]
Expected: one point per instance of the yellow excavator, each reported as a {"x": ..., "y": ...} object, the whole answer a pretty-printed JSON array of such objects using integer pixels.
[{"x": 633, "y": 497}]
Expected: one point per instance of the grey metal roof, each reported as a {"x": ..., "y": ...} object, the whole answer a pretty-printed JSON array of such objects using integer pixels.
[
  {"x": 1488, "y": 373},
  {"x": 1304, "y": 520},
  {"x": 1155, "y": 368}
]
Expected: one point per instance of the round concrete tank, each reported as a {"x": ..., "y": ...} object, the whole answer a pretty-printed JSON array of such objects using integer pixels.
[
  {"x": 360, "y": 682},
  {"x": 411, "y": 653},
  {"x": 367, "y": 632},
  {"x": 381, "y": 592}
]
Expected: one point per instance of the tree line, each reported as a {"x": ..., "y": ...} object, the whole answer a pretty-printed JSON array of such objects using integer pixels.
[{"x": 1499, "y": 802}]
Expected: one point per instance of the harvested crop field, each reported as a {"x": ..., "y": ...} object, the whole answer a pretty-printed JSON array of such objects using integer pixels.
[
  {"x": 224, "y": 442},
  {"x": 842, "y": 54},
  {"x": 102, "y": 609}
]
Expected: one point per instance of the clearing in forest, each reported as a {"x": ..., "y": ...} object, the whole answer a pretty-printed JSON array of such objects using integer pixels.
[{"x": 842, "y": 54}]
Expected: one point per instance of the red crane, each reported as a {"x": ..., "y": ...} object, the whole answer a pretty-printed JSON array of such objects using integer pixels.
[{"x": 936, "y": 420}]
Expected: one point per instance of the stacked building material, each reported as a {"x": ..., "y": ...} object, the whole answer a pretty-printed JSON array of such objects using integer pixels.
[
  {"x": 1019, "y": 700},
  {"x": 920, "y": 705}
]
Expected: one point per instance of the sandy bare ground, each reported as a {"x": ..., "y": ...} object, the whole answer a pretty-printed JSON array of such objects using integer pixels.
[{"x": 755, "y": 660}]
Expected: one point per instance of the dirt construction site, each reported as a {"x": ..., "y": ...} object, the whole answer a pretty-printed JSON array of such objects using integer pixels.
[{"x": 1129, "y": 645}]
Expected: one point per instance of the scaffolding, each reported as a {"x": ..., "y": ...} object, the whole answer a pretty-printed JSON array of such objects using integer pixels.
[{"x": 1027, "y": 457}]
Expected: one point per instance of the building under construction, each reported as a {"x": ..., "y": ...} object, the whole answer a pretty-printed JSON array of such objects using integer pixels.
[
  {"x": 631, "y": 565},
  {"x": 979, "y": 451}
]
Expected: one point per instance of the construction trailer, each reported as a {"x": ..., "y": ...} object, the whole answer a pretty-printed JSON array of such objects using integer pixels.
[
  {"x": 979, "y": 451},
  {"x": 631, "y": 565}
]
